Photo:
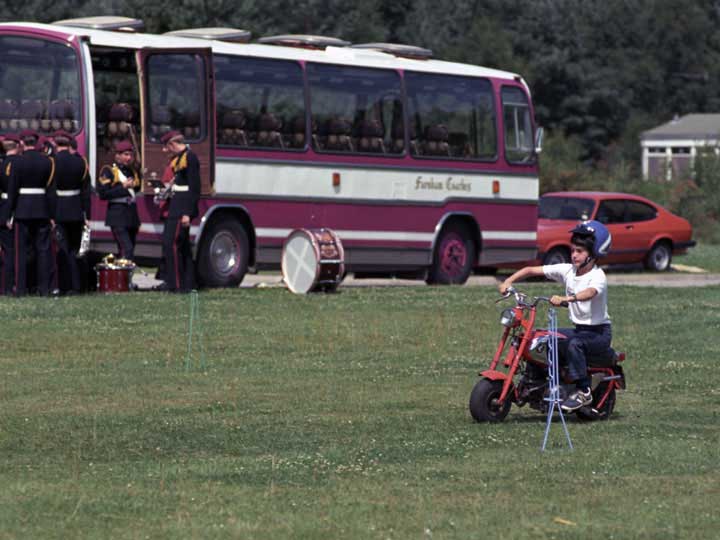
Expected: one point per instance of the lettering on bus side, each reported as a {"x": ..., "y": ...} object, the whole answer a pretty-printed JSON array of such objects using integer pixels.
[{"x": 450, "y": 184}]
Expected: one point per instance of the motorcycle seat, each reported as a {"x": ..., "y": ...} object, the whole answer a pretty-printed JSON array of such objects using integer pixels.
[{"x": 608, "y": 358}]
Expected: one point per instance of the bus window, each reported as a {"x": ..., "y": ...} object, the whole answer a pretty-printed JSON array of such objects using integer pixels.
[
  {"x": 260, "y": 103},
  {"x": 39, "y": 86},
  {"x": 451, "y": 117},
  {"x": 355, "y": 110},
  {"x": 518, "y": 127},
  {"x": 177, "y": 95},
  {"x": 117, "y": 99}
]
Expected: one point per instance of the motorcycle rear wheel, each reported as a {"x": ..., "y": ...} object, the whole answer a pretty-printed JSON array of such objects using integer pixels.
[
  {"x": 590, "y": 413},
  {"x": 484, "y": 406}
]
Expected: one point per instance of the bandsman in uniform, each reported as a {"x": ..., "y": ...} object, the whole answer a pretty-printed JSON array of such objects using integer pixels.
[
  {"x": 70, "y": 196},
  {"x": 177, "y": 250},
  {"x": 11, "y": 148},
  {"x": 118, "y": 184},
  {"x": 30, "y": 213}
]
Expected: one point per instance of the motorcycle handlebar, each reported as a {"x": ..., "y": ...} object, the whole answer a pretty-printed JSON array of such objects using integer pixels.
[{"x": 520, "y": 298}]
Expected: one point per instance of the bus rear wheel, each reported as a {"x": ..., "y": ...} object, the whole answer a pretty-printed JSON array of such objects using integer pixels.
[
  {"x": 223, "y": 255},
  {"x": 453, "y": 258}
]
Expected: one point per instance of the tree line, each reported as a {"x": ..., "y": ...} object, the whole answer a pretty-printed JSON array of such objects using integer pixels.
[{"x": 600, "y": 72}]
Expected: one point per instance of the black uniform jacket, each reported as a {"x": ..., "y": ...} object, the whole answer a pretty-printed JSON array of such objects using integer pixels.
[
  {"x": 70, "y": 193},
  {"x": 34, "y": 172},
  {"x": 122, "y": 211},
  {"x": 10, "y": 166},
  {"x": 184, "y": 202}
]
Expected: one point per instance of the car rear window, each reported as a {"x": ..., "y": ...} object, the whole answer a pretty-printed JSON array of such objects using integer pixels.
[
  {"x": 637, "y": 211},
  {"x": 568, "y": 208}
]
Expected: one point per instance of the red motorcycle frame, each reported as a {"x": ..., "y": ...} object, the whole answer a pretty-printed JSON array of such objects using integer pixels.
[{"x": 525, "y": 349}]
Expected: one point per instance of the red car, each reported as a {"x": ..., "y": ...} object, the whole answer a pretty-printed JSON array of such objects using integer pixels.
[{"x": 641, "y": 230}]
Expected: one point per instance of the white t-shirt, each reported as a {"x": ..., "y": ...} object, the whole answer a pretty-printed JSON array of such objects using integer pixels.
[{"x": 593, "y": 311}]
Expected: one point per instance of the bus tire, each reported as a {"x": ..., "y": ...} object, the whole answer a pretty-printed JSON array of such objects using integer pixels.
[
  {"x": 223, "y": 255},
  {"x": 453, "y": 258}
]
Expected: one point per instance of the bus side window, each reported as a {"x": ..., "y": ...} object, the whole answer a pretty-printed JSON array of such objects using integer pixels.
[
  {"x": 519, "y": 147},
  {"x": 260, "y": 103},
  {"x": 453, "y": 117},
  {"x": 357, "y": 110}
]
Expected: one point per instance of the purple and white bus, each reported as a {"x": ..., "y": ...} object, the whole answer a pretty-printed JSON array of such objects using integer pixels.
[{"x": 421, "y": 167}]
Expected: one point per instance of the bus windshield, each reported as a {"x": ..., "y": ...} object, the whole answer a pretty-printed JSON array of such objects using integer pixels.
[{"x": 39, "y": 86}]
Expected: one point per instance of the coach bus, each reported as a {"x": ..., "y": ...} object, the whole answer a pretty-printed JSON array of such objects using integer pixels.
[{"x": 421, "y": 167}]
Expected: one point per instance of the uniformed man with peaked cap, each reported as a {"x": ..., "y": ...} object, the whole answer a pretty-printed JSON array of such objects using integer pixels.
[
  {"x": 29, "y": 208},
  {"x": 118, "y": 184},
  {"x": 11, "y": 148},
  {"x": 70, "y": 197},
  {"x": 177, "y": 251}
]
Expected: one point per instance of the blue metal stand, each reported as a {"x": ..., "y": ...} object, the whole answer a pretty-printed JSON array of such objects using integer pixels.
[
  {"x": 554, "y": 398},
  {"x": 195, "y": 324}
]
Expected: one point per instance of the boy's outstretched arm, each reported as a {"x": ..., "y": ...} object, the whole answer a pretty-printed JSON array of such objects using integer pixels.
[{"x": 528, "y": 271}]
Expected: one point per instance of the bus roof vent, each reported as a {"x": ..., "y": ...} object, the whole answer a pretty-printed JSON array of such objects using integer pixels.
[
  {"x": 117, "y": 24},
  {"x": 304, "y": 41},
  {"x": 397, "y": 49},
  {"x": 232, "y": 35}
]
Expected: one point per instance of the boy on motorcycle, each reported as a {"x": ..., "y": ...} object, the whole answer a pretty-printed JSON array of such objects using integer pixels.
[{"x": 586, "y": 296}]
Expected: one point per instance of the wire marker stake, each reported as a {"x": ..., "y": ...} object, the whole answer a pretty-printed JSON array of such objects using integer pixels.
[
  {"x": 554, "y": 398},
  {"x": 195, "y": 325}
]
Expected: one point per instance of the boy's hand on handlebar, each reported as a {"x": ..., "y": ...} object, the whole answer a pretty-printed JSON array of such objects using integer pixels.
[
  {"x": 561, "y": 301},
  {"x": 504, "y": 286}
]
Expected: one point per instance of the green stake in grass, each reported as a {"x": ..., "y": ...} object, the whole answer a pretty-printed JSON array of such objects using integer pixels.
[{"x": 195, "y": 324}]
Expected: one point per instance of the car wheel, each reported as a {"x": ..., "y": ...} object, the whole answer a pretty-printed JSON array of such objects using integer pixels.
[
  {"x": 557, "y": 255},
  {"x": 659, "y": 257}
]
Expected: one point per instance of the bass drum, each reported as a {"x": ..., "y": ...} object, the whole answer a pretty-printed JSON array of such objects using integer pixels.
[
  {"x": 313, "y": 260},
  {"x": 113, "y": 279}
]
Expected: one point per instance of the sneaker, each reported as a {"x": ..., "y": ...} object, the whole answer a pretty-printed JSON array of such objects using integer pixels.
[{"x": 577, "y": 400}]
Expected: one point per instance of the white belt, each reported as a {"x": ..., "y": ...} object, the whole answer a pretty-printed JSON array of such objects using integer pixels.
[
  {"x": 68, "y": 192},
  {"x": 177, "y": 188},
  {"x": 3, "y": 195},
  {"x": 32, "y": 191}
]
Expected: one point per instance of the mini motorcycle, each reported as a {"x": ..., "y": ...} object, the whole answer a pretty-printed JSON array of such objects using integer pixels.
[{"x": 522, "y": 354}]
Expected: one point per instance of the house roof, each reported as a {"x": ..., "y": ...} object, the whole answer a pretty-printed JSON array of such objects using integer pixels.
[{"x": 690, "y": 126}]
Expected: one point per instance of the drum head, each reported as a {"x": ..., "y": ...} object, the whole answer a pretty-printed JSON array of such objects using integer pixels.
[{"x": 300, "y": 262}]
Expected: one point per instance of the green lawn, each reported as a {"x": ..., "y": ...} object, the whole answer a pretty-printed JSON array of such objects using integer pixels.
[
  {"x": 705, "y": 256},
  {"x": 342, "y": 416}
]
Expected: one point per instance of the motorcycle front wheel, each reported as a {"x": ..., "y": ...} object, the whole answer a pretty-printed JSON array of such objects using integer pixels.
[
  {"x": 484, "y": 405},
  {"x": 591, "y": 412}
]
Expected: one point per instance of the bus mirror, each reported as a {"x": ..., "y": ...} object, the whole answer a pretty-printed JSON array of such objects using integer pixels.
[{"x": 538, "y": 140}]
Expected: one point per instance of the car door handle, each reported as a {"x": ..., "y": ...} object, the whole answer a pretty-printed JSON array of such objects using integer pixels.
[{"x": 629, "y": 226}]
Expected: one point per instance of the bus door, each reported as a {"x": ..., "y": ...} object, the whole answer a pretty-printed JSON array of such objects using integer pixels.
[{"x": 177, "y": 93}]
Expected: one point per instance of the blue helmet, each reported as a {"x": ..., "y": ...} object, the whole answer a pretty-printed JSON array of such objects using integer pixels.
[{"x": 597, "y": 233}]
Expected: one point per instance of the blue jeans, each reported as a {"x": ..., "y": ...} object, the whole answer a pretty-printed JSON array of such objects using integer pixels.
[{"x": 583, "y": 340}]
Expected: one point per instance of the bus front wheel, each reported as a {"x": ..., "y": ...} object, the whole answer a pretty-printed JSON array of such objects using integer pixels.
[
  {"x": 223, "y": 255},
  {"x": 453, "y": 258}
]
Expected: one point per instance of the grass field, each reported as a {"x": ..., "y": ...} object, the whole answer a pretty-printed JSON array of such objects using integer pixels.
[
  {"x": 705, "y": 256},
  {"x": 342, "y": 416}
]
